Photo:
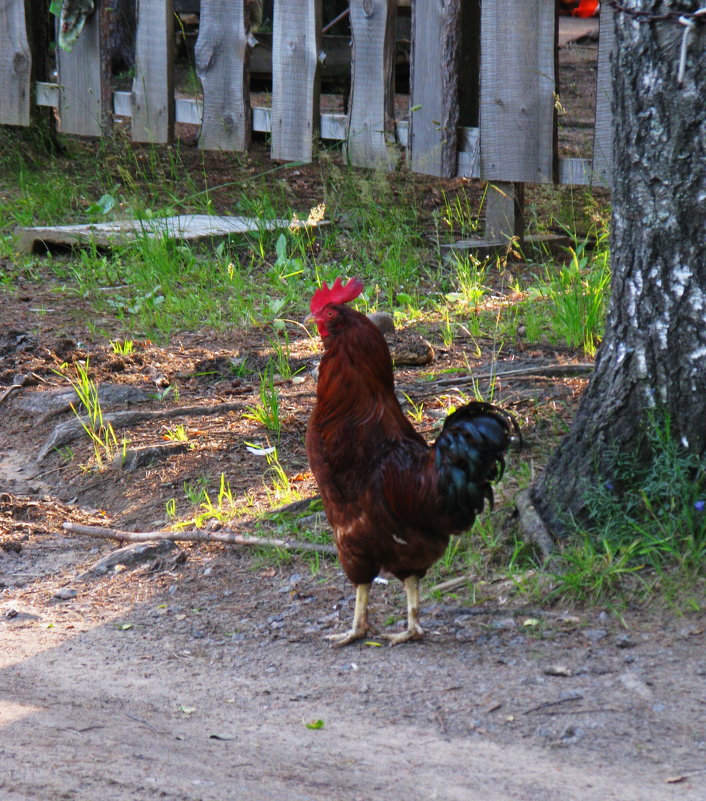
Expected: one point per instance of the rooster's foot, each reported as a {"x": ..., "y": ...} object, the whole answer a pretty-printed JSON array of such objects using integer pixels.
[
  {"x": 413, "y": 633},
  {"x": 339, "y": 640},
  {"x": 360, "y": 620}
]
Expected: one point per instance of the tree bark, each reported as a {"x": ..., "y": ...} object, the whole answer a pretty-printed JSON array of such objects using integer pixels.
[{"x": 653, "y": 355}]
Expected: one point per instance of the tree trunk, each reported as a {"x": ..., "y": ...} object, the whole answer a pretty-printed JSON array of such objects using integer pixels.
[{"x": 653, "y": 355}]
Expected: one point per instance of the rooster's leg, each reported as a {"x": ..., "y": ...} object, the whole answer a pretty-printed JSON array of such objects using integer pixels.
[
  {"x": 360, "y": 619},
  {"x": 414, "y": 630}
]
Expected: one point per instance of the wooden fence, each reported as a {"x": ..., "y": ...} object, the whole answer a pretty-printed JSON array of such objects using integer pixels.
[{"x": 482, "y": 97}]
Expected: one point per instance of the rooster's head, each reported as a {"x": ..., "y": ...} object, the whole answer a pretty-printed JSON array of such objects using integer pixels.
[{"x": 325, "y": 301}]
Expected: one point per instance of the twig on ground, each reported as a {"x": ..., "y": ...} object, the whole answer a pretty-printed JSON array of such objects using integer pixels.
[
  {"x": 226, "y": 537},
  {"x": 16, "y": 386},
  {"x": 548, "y": 371},
  {"x": 565, "y": 700}
]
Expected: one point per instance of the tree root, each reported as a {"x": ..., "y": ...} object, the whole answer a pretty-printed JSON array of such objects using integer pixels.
[
  {"x": 73, "y": 429},
  {"x": 532, "y": 525}
]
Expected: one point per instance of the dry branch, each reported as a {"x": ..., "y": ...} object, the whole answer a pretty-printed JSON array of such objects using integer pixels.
[
  {"x": 14, "y": 387},
  {"x": 226, "y": 537},
  {"x": 548, "y": 370}
]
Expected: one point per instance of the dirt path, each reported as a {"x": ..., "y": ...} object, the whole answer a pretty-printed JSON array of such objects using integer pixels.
[{"x": 198, "y": 682}]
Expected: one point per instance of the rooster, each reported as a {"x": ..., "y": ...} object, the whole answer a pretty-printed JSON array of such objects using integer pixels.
[{"x": 392, "y": 500}]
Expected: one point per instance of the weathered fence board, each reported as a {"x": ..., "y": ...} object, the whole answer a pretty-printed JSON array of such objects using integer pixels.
[
  {"x": 15, "y": 65},
  {"x": 436, "y": 31},
  {"x": 603, "y": 131},
  {"x": 517, "y": 89},
  {"x": 371, "y": 130},
  {"x": 296, "y": 45},
  {"x": 81, "y": 108},
  {"x": 482, "y": 84},
  {"x": 153, "y": 86},
  {"x": 222, "y": 64}
]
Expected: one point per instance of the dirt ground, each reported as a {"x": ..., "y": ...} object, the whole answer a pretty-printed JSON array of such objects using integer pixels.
[{"x": 203, "y": 673}]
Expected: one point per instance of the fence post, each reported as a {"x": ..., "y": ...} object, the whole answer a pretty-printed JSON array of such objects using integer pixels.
[
  {"x": 602, "y": 167},
  {"x": 222, "y": 64},
  {"x": 15, "y": 65},
  {"x": 436, "y": 32},
  {"x": 84, "y": 77},
  {"x": 296, "y": 49},
  {"x": 153, "y": 86},
  {"x": 504, "y": 211},
  {"x": 371, "y": 141}
]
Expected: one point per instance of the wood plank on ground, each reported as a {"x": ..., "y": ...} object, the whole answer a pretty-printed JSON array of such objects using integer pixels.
[
  {"x": 192, "y": 228},
  {"x": 296, "y": 45},
  {"x": 153, "y": 86},
  {"x": 15, "y": 65},
  {"x": 371, "y": 130},
  {"x": 436, "y": 31},
  {"x": 222, "y": 64},
  {"x": 517, "y": 90}
]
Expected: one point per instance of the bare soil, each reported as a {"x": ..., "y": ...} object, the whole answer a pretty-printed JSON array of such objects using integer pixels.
[{"x": 204, "y": 672}]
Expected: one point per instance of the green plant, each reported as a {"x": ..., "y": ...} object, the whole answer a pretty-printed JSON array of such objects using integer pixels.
[
  {"x": 267, "y": 411},
  {"x": 195, "y": 491},
  {"x": 283, "y": 491},
  {"x": 416, "y": 412},
  {"x": 101, "y": 433},
  {"x": 176, "y": 433},
  {"x": 122, "y": 347},
  {"x": 574, "y": 298}
]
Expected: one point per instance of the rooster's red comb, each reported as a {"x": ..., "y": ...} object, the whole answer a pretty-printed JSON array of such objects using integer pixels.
[{"x": 339, "y": 293}]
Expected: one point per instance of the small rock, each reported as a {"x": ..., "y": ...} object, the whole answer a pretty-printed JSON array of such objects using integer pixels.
[
  {"x": 631, "y": 682},
  {"x": 558, "y": 670},
  {"x": 384, "y": 321},
  {"x": 624, "y": 641},
  {"x": 129, "y": 556},
  {"x": 595, "y": 635},
  {"x": 65, "y": 594}
]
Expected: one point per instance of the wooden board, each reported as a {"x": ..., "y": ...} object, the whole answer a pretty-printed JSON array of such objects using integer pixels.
[
  {"x": 436, "y": 31},
  {"x": 15, "y": 65},
  {"x": 296, "y": 44},
  {"x": 517, "y": 88},
  {"x": 81, "y": 108},
  {"x": 371, "y": 130},
  {"x": 602, "y": 167},
  {"x": 153, "y": 86},
  {"x": 191, "y": 228},
  {"x": 222, "y": 57}
]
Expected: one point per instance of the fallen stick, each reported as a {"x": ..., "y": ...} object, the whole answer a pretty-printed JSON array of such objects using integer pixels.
[
  {"x": 549, "y": 370},
  {"x": 14, "y": 387},
  {"x": 196, "y": 535}
]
